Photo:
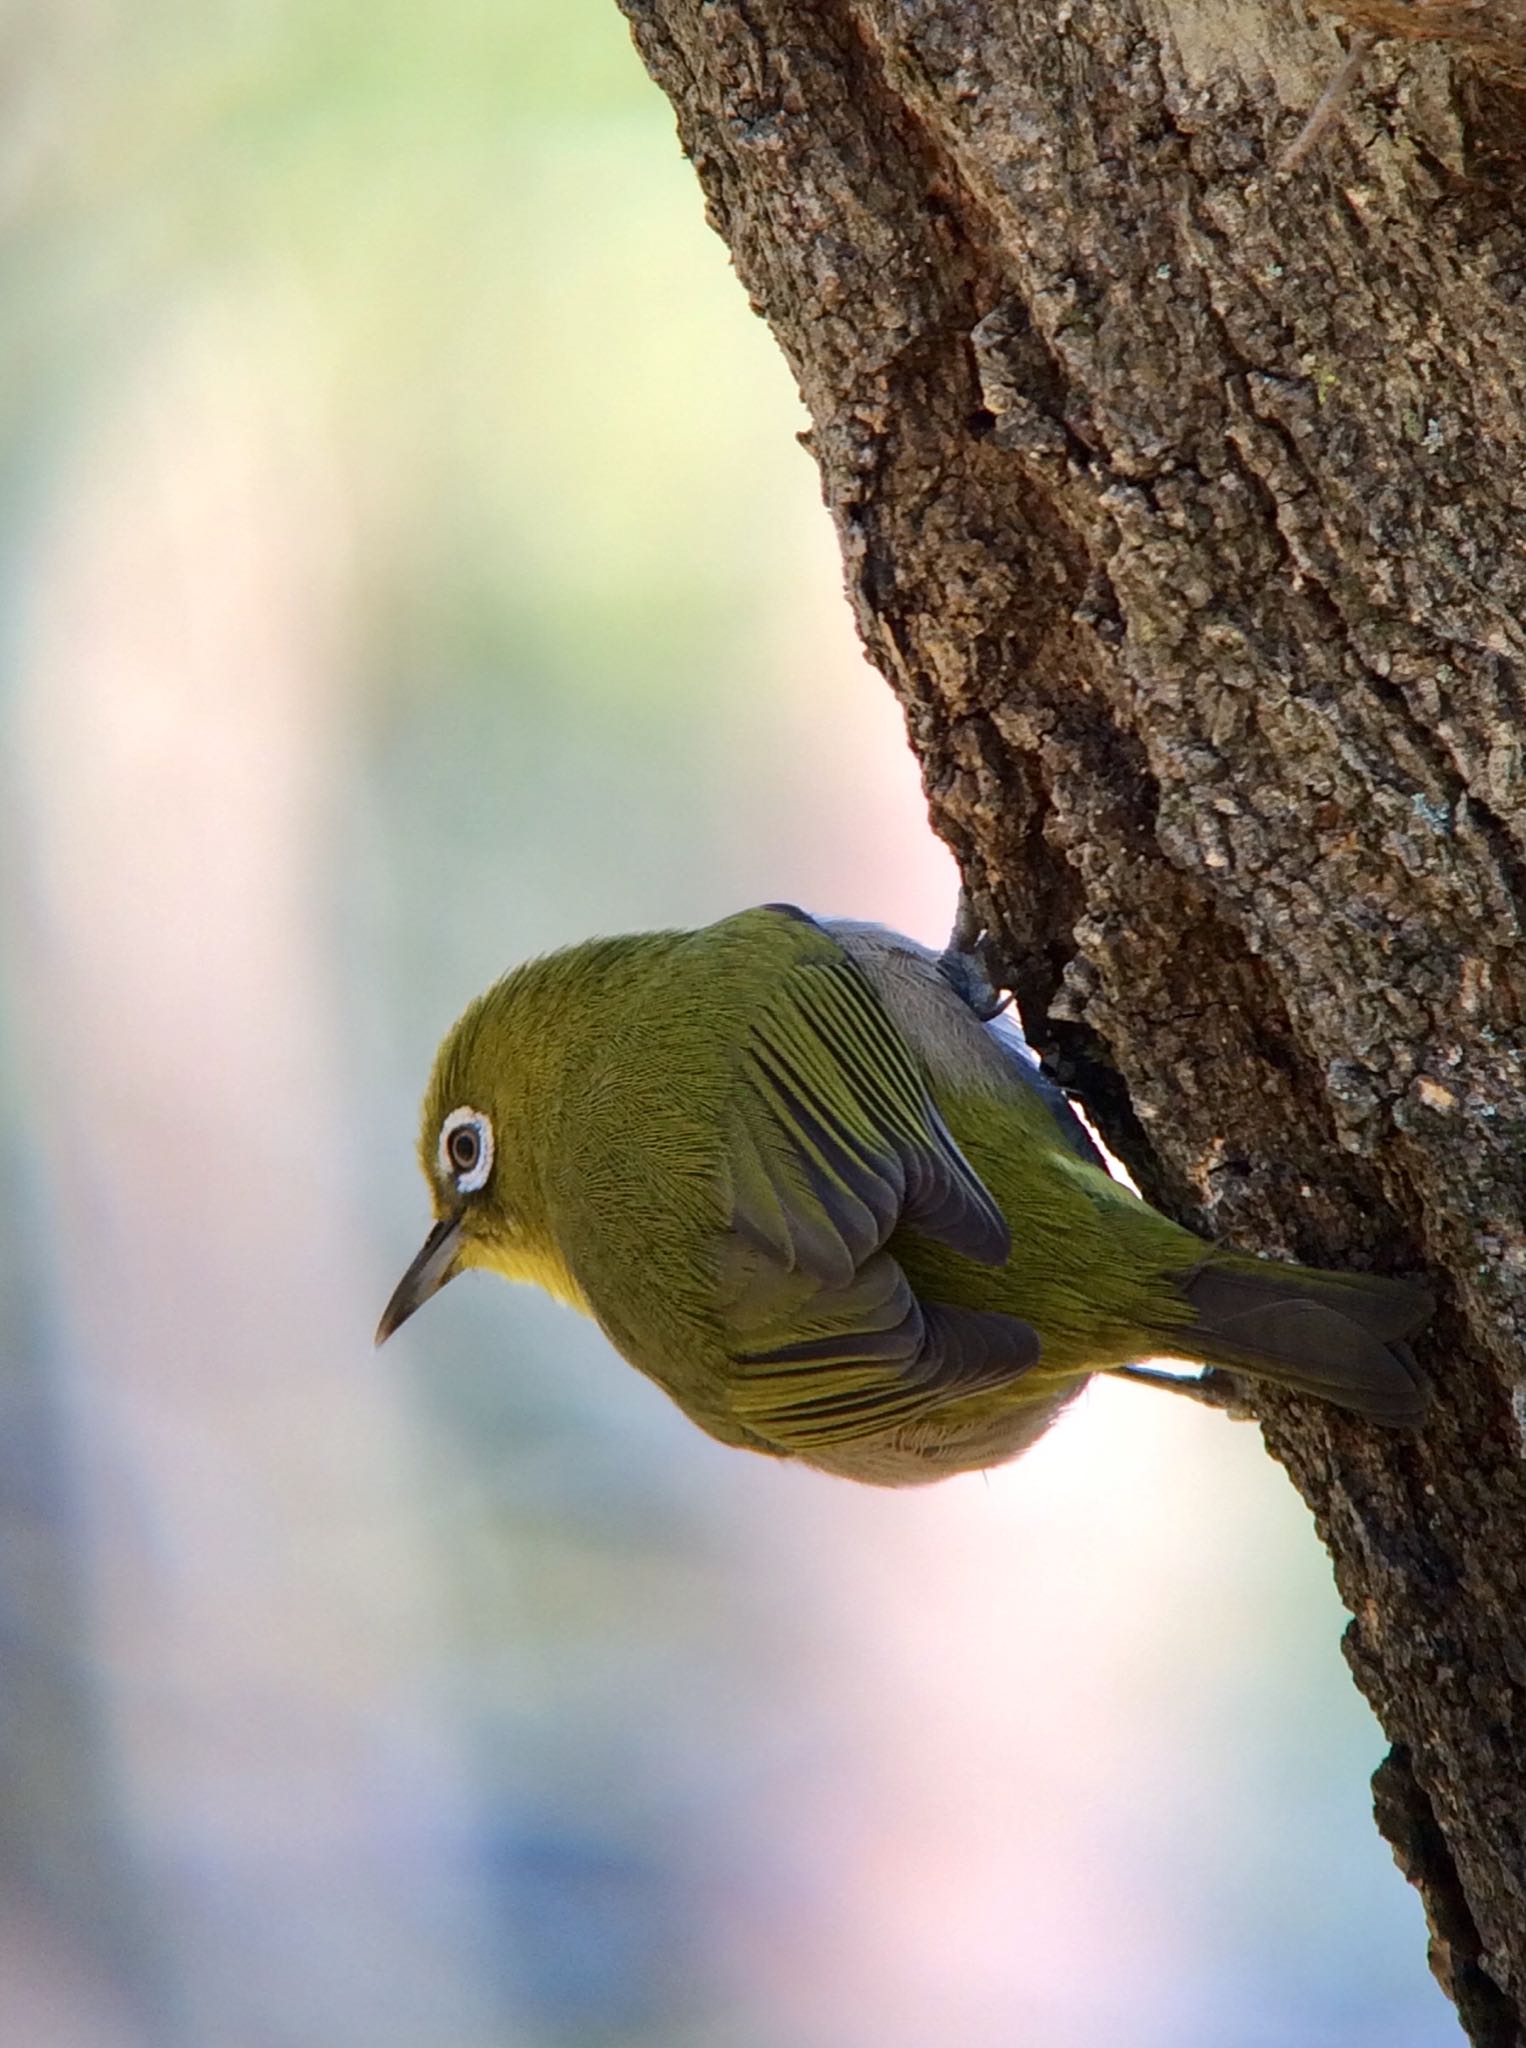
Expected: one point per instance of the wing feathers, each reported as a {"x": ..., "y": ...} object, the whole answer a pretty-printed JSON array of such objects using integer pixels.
[
  {"x": 835, "y": 1143},
  {"x": 877, "y": 1359},
  {"x": 852, "y": 1129}
]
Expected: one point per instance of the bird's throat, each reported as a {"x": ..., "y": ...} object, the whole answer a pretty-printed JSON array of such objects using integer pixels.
[{"x": 541, "y": 1265}]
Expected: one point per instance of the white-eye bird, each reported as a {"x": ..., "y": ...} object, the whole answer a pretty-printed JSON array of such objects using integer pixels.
[{"x": 802, "y": 1181}]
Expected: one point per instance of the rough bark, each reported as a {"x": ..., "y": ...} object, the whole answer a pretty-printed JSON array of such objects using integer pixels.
[
  {"x": 1494, "y": 30},
  {"x": 1181, "y": 504}
]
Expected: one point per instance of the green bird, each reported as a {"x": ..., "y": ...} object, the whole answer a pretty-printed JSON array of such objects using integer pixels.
[{"x": 802, "y": 1178}]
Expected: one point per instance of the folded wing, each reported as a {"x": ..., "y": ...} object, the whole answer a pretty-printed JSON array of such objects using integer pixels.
[{"x": 834, "y": 1143}]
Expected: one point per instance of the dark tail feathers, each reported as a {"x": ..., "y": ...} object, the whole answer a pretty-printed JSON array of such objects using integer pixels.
[{"x": 1338, "y": 1336}]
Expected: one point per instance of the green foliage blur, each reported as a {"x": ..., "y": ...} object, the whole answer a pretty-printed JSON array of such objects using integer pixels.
[{"x": 407, "y": 564}]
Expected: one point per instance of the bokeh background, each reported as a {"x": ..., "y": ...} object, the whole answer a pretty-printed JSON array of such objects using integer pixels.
[{"x": 406, "y": 564}]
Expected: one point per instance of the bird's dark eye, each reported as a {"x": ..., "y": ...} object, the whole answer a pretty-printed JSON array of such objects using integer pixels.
[{"x": 466, "y": 1150}]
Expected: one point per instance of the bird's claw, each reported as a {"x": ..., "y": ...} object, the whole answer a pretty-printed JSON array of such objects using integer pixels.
[{"x": 963, "y": 962}]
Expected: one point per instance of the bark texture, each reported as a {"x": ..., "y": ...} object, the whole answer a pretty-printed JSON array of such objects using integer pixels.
[
  {"x": 1492, "y": 29},
  {"x": 1182, "y": 506}
]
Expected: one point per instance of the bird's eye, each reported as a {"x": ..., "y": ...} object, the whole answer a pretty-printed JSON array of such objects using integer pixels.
[{"x": 466, "y": 1149}]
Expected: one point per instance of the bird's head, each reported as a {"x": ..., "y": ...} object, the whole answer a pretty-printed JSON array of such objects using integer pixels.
[{"x": 472, "y": 1155}]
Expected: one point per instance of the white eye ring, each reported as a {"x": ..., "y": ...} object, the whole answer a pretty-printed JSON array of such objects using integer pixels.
[{"x": 465, "y": 1168}]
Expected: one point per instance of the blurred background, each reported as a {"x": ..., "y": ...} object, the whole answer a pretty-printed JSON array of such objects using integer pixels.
[{"x": 407, "y": 564}]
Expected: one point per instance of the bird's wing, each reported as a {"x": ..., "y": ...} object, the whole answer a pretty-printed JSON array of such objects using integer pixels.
[
  {"x": 835, "y": 1140},
  {"x": 834, "y": 1143}
]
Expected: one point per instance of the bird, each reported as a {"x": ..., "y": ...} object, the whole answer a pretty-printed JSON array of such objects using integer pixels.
[{"x": 806, "y": 1175}]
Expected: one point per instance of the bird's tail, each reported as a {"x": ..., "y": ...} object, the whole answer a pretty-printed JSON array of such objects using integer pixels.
[{"x": 1342, "y": 1337}]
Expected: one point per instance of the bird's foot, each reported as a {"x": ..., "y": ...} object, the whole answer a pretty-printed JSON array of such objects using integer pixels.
[
  {"x": 1212, "y": 1389},
  {"x": 963, "y": 962}
]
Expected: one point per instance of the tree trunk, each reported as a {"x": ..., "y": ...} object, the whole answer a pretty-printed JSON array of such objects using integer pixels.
[{"x": 1181, "y": 504}]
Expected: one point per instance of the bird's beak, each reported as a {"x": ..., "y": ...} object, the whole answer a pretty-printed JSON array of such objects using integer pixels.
[{"x": 435, "y": 1264}]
